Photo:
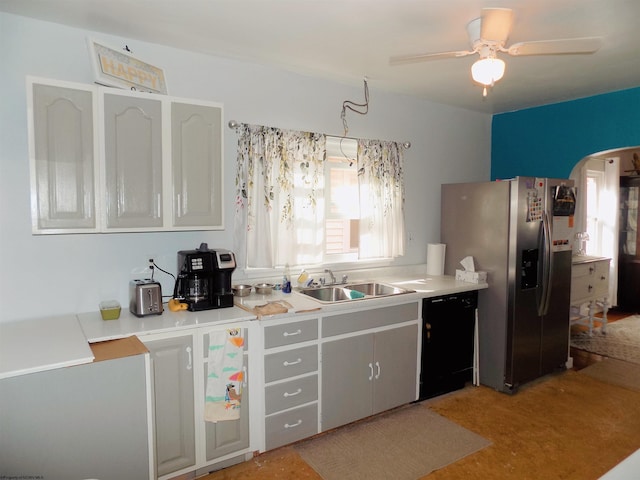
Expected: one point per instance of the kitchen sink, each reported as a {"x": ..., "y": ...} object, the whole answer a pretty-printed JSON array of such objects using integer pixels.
[
  {"x": 356, "y": 291},
  {"x": 375, "y": 289},
  {"x": 328, "y": 294}
]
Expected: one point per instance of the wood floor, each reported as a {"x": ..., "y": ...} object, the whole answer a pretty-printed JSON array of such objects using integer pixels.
[{"x": 563, "y": 426}]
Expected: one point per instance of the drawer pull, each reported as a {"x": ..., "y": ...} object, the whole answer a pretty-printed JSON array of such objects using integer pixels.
[
  {"x": 590, "y": 287},
  {"x": 287, "y": 334},
  {"x": 371, "y": 368},
  {"x": 293, "y": 425},
  {"x": 297, "y": 392},
  {"x": 286, "y": 363}
]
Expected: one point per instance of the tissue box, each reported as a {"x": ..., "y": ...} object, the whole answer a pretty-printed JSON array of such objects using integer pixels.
[{"x": 471, "y": 277}]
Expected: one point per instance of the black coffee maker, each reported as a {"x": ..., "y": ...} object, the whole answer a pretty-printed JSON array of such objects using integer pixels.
[{"x": 204, "y": 278}]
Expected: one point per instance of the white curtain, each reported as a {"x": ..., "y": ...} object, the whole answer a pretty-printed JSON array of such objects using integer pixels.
[
  {"x": 280, "y": 196},
  {"x": 381, "y": 181}
]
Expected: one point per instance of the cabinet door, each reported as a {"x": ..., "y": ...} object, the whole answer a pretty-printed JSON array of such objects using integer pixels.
[
  {"x": 347, "y": 380},
  {"x": 231, "y": 435},
  {"x": 133, "y": 161},
  {"x": 85, "y": 421},
  {"x": 62, "y": 159},
  {"x": 172, "y": 363},
  {"x": 196, "y": 135},
  {"x": 395, "y": 367}
]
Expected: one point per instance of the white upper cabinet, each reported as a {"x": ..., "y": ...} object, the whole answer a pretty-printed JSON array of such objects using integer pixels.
[
  {"x": 196, "y": 136},
  {"x": 132, "y": 161},
  {"x": 62, "y": 151},
  {"x": 109, "y": 160}
]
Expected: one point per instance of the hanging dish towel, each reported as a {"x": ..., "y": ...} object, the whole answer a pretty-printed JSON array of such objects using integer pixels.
[{"x": 225, "y": 377}]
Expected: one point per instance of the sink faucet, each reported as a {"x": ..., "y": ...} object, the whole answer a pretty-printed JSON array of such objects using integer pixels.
[{"x": 333, "y": 278}]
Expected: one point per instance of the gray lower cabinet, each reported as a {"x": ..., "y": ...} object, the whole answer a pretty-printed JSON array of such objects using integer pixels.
[
  {"x": 173, "y": 387},
  {"x": 185, "y": 443},
  {"x": 368, "y": 373},
  {"x": 291, "y": 382},
  {"x": 224, "y": 438},
  {"x": 86, "y": 421}
]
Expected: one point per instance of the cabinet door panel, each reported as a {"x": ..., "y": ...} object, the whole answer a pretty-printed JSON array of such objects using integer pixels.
[
  {"x": 395, "y": 362},
  {"x": 133, "y": 161},
  {"x": 173, "y": 395},
  {"x": 196, "y": 134},
  {"x": 347, "y": 380},
  {"x": 231, "y": 435},
  {"x": 63, "y": 158}
]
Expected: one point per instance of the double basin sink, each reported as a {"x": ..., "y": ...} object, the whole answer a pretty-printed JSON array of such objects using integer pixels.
[{"x": 355, "y": 291}]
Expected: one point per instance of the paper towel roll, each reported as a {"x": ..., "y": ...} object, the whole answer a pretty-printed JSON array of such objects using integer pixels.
[{"x": 435, "y": 258}]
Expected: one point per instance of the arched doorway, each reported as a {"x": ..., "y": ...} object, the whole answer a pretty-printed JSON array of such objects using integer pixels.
[{"x": 598, "y": 217}]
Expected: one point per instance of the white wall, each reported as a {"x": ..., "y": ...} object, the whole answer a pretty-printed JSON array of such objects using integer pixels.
[{"x": 58, "y": 274}]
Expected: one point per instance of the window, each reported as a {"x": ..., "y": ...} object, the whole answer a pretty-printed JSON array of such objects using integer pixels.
[
  {"x": 342, "y": 218},
  {"x": 594, "y": 226},
  {"x": 307, "y": 199}
]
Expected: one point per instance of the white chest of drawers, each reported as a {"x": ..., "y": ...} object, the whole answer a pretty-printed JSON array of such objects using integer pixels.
[{"x": 589, "y": 285}]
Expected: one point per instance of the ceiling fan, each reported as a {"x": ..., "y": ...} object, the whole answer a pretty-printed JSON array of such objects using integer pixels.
[{"x": 488, "y": 36}]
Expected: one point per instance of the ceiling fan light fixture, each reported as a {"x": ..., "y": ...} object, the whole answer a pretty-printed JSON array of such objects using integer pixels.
[{"x": 487, "y": 71}]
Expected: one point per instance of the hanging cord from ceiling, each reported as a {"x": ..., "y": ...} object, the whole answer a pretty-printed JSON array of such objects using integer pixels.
[{"x": 360, "y": 108}]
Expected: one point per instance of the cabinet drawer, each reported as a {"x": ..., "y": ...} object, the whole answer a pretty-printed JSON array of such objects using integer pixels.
[
  {"x": 288, "y": 427},
  {"x": 278, "y": 366},
  {"x": 291, "y": 394},
  {"x": 589, "y": 281},
  {"x": 290, "y": 333},
  {"x": 364, "y": 319}
]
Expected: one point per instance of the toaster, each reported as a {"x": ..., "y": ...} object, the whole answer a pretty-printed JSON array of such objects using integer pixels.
[{"x": 145, "y": 297}]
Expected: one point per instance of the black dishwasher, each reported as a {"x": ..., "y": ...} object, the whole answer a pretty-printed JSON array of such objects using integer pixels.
[{"x": 448, "y": 325}]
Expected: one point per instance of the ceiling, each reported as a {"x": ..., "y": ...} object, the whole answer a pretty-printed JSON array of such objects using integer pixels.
[{"x": 348, "y": 40}]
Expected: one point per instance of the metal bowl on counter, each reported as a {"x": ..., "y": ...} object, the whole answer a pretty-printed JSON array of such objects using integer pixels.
[
  {"x": 241, "y": 290},
  {"x": 263, "y": 287}
]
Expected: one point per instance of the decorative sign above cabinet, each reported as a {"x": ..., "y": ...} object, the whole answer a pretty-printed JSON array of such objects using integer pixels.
[
  {"x": 110, "y": 160},
  {"x": 119, "y": 69}
]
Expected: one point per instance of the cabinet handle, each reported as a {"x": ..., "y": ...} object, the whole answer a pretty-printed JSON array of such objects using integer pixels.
[
  {"x": 590, "y": 287},
  {"x": 371, "y": 368},
  {"x": 592, "y": 269},
  {"x": 378, "y": 370},
  {"x": 244, "y": 376},
  {"x": 190, "y": 364},
  {"x": 293, "y": 425},
  {"x": 297, "y": 392},
  {"x": 295, "y": 362},
  {"x": 603, "y": 277},
  {"x": 287, "y": 334},
  {"x": 158, "y": 206}
]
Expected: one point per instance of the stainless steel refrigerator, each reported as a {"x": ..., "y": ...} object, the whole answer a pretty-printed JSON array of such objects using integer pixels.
[{"x": 519, "y": 231}]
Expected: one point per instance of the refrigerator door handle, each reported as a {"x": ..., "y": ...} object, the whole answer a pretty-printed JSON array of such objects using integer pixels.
[{"x": 547, "y": 265}]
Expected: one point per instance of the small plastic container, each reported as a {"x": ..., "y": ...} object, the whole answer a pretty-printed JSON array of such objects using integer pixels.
[{"x": 110, "y": 310}]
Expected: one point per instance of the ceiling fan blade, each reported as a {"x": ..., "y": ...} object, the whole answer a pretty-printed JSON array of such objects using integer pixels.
[
  {"x": 567, "y": 46},
  {"x": 405, "y": 59},
  {"x": 496, "y": 24}
]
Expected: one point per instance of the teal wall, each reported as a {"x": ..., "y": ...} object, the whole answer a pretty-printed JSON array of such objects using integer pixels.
[{"x": 548, "y": 141}]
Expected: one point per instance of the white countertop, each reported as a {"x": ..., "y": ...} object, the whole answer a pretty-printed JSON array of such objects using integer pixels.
[
  {"x": 42, "y": 344},
  {"x": 30, "y": 346},
  {"x": 98, "y": 330}
]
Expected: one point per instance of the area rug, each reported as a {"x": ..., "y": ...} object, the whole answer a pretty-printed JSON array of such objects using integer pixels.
[
  {"x": 405, "y": 444},
  {"x": 621, "y": 340},
  {"x": 616, "y": 372}
]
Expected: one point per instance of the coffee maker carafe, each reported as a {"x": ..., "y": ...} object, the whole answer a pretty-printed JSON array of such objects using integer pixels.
[{"x": 204, "y": 278}]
